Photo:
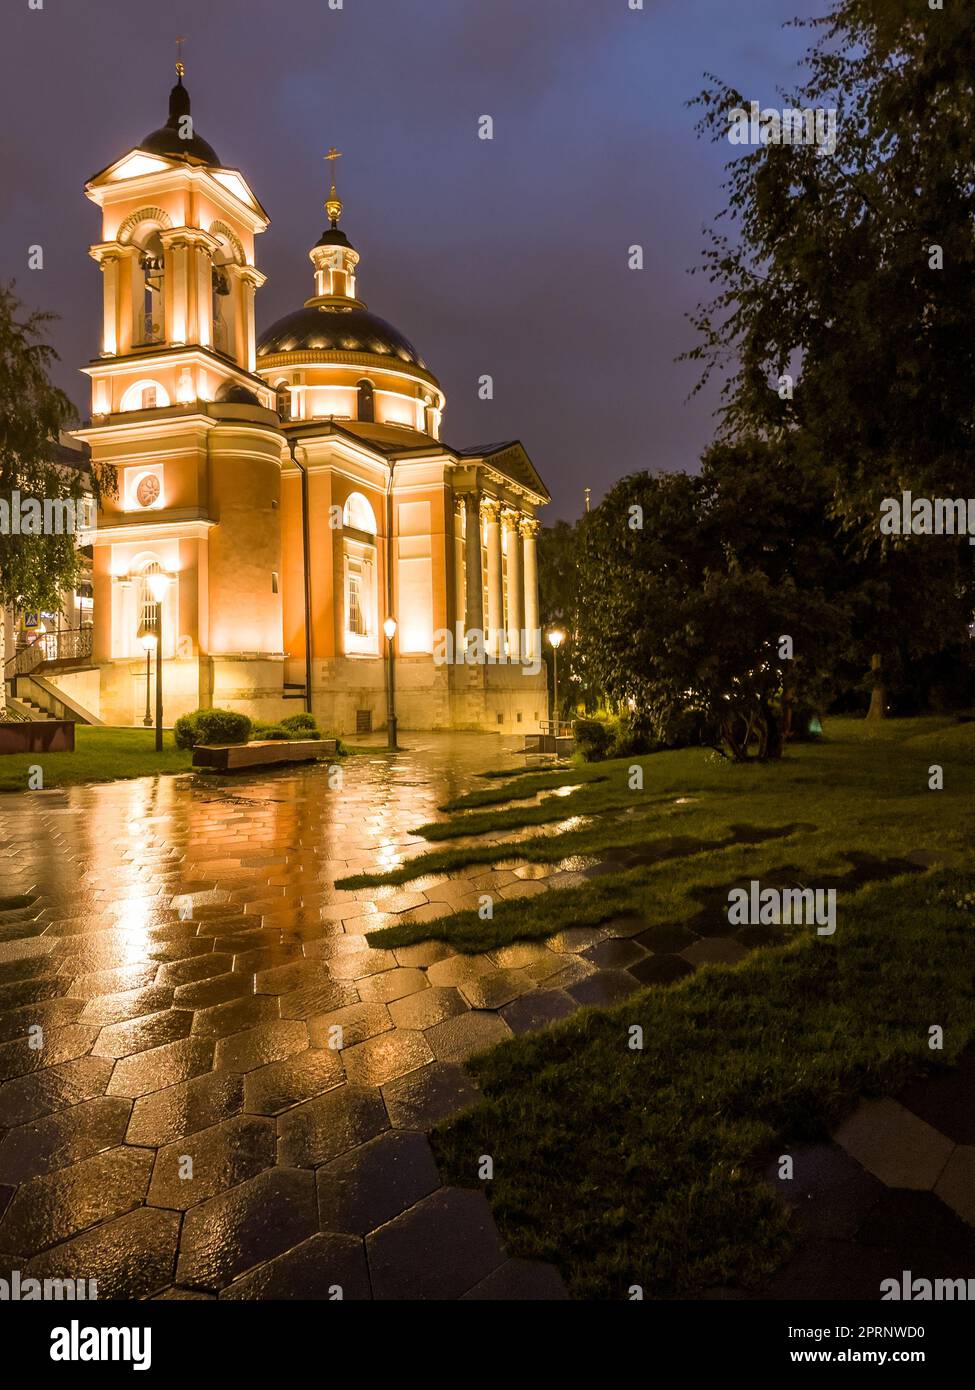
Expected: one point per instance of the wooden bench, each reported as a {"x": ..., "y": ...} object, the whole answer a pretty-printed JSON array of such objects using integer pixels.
[{"x": 234, "y": 757}]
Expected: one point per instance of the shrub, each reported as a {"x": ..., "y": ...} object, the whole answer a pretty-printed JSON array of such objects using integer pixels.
[
  {"x": 211, "y": 726},
  {"x": 270, "y": 731},
  {"x": 592, "y": 737},
  {"x": 303, "y": 724}
]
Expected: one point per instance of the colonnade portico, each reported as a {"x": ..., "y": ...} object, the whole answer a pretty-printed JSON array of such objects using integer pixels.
[{"x": 509, "y": 622}]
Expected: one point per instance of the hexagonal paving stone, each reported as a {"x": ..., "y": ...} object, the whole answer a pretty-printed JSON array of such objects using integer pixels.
[
  {"x": 519, "y": 1281},
  {"x": 160, "y": 1067},
  {"x": 185, "y": 1108},
  {"x": 356, "y": 1021},
  {"x": 423, "y": 1098},
  {"x": 221, "y": 1157},
  {"x": 893, "y": 1144},
  {"x": 830, "y": 1192},
  {"x": 370, "y": 1185},
  {"x": 392, "y": 984},
  {"x": 538, "y": 1009},
  {"x": 385, "y": 1057},
  {"x": 458, "y": 970},
  {"x": 255, "y": 1047},
  {"x": 58, "y": 1140},
  {"x": 714, "y": 950},
  {"x": 245, "y": 1227},
  {"x": 140, "y": 1034},
  {"x": 131, "y": 1257},
  {"x": 17, "y": 1058},
  {"x": 217, "y": 989},
  {"x": 357, "y": 965},
  {"x": 438, "y": 1249},
  {"x": 458, "y": 1038},
  {"x": 49, "y": 1209},
  {"x": 236, "y": 1015},
  {"x": 423, "y": 953},
  {"x": 614, "y": 954},
  {"x": 323, "y": 1128},
  {"x": 494, "y": 991},
  {"x": 324, "y": 1268},
  {"x": 945, "y": 1099},
  {"x": 429, "y": 1006},
  {"x": 956, "y": 1185},
  {"x": 28, "y": 1097},
  {"x": 133, "y": 1003},
  {"x": 315, "y": 1000},
  {"x": 280, "y": 1085},
  {"x": 661, "y": 969},
  {"x": 667, "y": 938},
  {"x": 605, "y": 987}
]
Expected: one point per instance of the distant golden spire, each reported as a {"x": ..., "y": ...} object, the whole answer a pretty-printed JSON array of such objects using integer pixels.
[
  {"x": 333, "y": 203},
  {"x": 180, "y": 68}
]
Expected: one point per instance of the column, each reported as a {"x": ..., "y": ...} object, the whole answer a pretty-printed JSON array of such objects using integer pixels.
[
  {"x": 110, "y": 270},
  {"x": 515, "y": 598},
  {"x": 529, "y": 535},
  {"x": 474, "y": 612},
  {"x": 491, "y": 511},
  {"x": 458, "y": 557}
]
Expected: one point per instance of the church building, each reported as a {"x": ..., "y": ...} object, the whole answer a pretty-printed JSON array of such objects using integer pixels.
[{"x": 291, "y": 486}]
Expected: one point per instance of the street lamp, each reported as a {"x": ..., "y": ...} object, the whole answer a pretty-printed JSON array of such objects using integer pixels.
[
  {"x": 389, "y": 627},
  {"x": 556, "y": 637},
  {"x": 158, "y": 583},
  {"x": 147, "y": 640}
]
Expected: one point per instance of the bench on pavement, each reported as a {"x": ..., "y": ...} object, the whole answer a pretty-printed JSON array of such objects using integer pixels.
[{"x": 234, "y": 757}]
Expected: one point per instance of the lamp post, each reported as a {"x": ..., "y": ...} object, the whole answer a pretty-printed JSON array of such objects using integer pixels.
[
  {"x": 556, "y": 637},
  {"x": 389, "y": 627},
  {"x": 147, "y": 640},
  {"x": 158, "y": 583}
]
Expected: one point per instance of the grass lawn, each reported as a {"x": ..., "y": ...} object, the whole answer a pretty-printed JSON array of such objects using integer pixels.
[
  {"x": 101, "y": 755},
  {"x": 698, "y": 825},
  {"x": 642, "y": 1166}
]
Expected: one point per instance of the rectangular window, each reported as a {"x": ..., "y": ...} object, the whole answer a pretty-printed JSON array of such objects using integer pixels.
[{"x": 357, "y": 620}]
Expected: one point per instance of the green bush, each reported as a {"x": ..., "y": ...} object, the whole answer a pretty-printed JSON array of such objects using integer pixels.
[
  {"x": 211, "y": 726},
  {"x": 263, "y": 730},
  {"x": 593, "y": 738},
  {"x": 303, "y": 724}
]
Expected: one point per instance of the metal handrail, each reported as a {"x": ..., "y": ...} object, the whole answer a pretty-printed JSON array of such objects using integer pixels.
[{"x": 71, "y": 644}]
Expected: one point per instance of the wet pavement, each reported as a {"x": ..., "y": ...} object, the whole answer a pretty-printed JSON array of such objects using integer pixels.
[{"x": 209, "y": 1083}]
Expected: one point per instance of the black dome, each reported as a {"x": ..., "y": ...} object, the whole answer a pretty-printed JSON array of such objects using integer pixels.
[
  {"x": 167, "y": 139},
  {"x": 337, "y": 330},
  {"x": 333, "y": 236},
  {"x": 232, "y": 393}
]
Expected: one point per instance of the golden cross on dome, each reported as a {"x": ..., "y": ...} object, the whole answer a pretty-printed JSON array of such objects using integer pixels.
[
  {"x": 333, "y": 203},
  {"x": 180, "y": 68}
]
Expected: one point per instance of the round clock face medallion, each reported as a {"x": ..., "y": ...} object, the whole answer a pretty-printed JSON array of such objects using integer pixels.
[{"x": 148, "y": 491}]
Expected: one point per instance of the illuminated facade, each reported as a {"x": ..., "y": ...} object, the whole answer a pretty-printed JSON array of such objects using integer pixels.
[{"x": 292, "y": 484}]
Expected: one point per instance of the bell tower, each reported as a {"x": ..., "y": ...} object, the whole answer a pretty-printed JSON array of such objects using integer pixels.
[{"x": 177, "y": 409}]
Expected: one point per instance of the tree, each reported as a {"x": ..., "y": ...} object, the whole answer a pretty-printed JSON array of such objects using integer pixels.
[
  {"x": 845, "y": 290},
  {"x": 560, "y": 599},
  {"x": 682, "y": 627},
  {"x": 35, "y": 568}
]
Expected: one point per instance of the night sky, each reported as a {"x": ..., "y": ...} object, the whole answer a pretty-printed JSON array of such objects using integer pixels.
[{"x": 506, "y": 257}]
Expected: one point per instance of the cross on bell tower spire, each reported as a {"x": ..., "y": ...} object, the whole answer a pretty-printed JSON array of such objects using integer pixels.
[
  {"x": 180, "y": 66},
  {"x": 333, "y": 203}
]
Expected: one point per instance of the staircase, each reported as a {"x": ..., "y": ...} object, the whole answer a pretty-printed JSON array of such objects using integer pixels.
[{"x": 30, "y": 694}]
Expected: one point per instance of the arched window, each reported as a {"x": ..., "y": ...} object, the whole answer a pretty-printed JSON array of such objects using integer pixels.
[
  {"x": 144, "y": 395},
  {"x": 367, "y": 399},
  {"x": 358, "y": 514},
  {"x": 282, "y": 396},
  {"x": 148, "y": 608},
  {"x": 152, "y": 263}
]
